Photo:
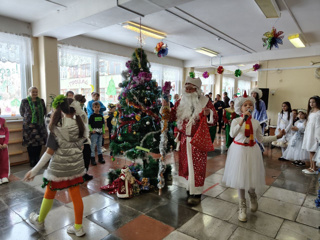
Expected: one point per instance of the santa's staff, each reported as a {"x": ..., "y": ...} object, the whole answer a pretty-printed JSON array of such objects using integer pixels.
[{"x": 165, "y": 116}]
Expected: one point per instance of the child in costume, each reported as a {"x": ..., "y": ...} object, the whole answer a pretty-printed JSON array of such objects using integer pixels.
[
  {"x": 260, "y": 112},
  {"x": 4, "y": 156},
  {"x": 79, "y": 103},
  {"x": 66, "y": 168},
  {"x": 96, "y": 126},
  {"x": 294, "y": 152},
  {"x": 228, "y": 115},
  {"x": 244, "y": 168},
  {"x": 285, "y": 121},
  {"x": 311, "y": 137}
]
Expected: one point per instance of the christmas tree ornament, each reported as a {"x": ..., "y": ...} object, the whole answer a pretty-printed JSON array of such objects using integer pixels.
[
  {"x": 220, "y": 70},
  {"x": 191, "y": 74},
  {"x": 272, "y": 39},
  {"x": 256, "y": 67},
  {"x": 138, "y": 117},
  {"x": 148, "y": 123},
  {"x": 161, "y": 49},
  {"x": 237, "y": 73},
  {"x": 205, "y": 74},
  {"x": 134, "y": 132},
  {"x": 145, "y": 100},
  {"x": 113, "y": 158}
]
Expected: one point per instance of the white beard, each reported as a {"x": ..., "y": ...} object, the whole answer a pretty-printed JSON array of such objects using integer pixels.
[{"x": 188, "y": 108}]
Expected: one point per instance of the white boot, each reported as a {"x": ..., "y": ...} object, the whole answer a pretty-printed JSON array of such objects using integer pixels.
[
  {"x": 253, "y": 201},
  {"x": 242, "y": 210}
]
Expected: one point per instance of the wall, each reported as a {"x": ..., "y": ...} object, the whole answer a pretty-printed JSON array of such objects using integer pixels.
[
  {"x": 293, "y": 85},
  {"x": 10, "y": 25}
]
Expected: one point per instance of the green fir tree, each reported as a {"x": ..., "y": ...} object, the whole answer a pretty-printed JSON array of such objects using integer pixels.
[{"x": 137, "y": 121}]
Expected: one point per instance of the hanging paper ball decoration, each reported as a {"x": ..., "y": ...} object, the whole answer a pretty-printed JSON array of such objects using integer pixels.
[
  {"x": 191, "y": 74},
  {"x": 220, "y": 70},
  {"x": 205, "y": 74},
  {"x": 161, "y": 49},
  {"x": 256, "y": 67},
  {"x": 237, "y": 73},
  {"x": 272, "y": 38}
]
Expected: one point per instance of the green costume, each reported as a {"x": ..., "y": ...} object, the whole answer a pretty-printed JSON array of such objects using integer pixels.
[{"x": 228, "y": 116}]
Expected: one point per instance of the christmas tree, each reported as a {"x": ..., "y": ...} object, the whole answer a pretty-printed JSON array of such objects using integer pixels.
[
  {"x": 137, "y": 127},
  {"x": 111, "y": 90}
]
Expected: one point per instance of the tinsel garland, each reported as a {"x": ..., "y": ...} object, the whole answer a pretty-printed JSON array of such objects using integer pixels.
[{"x": 137, "y": 56}]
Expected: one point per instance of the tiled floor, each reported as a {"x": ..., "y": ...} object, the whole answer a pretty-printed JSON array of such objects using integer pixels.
[{"x": 286, "y": 207}]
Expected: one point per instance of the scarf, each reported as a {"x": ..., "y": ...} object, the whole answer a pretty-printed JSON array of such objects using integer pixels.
[
  {"x": 34, "y": 115},
  {"x": 248, "y": 132}
]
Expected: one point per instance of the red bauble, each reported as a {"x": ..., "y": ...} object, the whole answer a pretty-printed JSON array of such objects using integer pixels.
[{"x": 220, "y": 70}]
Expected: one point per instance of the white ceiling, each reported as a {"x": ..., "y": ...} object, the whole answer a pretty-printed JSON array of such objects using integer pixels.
[{"x": 189, "y": 24}]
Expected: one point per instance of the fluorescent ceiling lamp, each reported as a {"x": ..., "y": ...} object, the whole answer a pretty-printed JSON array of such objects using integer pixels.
[
  {"x": 297, "y": 41},
  {"x": 207, "y": 52},
  {"x": 269, "y": 8},
  {"x": 144, "y": 30}
]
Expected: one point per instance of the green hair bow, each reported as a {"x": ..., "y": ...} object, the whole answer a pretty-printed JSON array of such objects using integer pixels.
[{"x": 58, "y": 100}]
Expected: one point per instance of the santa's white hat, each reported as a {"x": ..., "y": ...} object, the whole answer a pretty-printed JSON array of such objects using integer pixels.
[
  {"x": 194, "y": 81},
  {"x": 239, "y": 101},
  {"x": 257, "y": 90}
]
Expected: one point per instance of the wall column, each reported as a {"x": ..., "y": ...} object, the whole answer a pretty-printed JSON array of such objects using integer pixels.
[{"x": 48, "y": 68}]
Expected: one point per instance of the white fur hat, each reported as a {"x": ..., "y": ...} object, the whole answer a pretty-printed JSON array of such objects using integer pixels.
[
  {"x": 256, "y": 90},
  {"x": 194, "y": 81},
  {"x": 239, "y": 101}
]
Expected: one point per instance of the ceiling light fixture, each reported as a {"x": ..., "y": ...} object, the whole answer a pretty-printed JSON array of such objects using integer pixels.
[
  {"x": 297, "y": 41},
  {"x": 207, "y": 52},
  {"x": 150, "y": 32},
  {"x": 269, "y": 8}
]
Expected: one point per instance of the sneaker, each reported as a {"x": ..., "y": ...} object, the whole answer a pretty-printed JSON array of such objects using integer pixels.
[
  {"x": 80, "y": 232},
  {"x": 305, "y": 170},
  {"x": 33, "y": 218},
  {"x": 4, "y": 180},
  {"x": 103, "y": 149},
  {"x": 311, "y": 172}
]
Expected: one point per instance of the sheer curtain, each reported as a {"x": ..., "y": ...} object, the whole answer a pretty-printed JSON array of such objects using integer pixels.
[{"x": 16, "y": 60}]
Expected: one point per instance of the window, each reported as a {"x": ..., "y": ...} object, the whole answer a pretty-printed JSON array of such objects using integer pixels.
[
  {"x": 76, "y": 71},
  {"x": 163, "y": 73},
  {"x": 79, "y": 69},
  {"x": 110, "y": 69},
  {"x": 243, "y": 85},
  {"x": 228, "y": 85},
  {"x": 15, "y": 72},
  {"x": 173, "y": 75}
]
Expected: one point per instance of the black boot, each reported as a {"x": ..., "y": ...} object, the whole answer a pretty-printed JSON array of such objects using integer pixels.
[
  {"x": 93, "y": 161},
  {"x": 101, "y": 160}
]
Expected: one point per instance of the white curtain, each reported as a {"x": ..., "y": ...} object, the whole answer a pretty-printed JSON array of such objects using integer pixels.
[{"x": 18, "y": 49}]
